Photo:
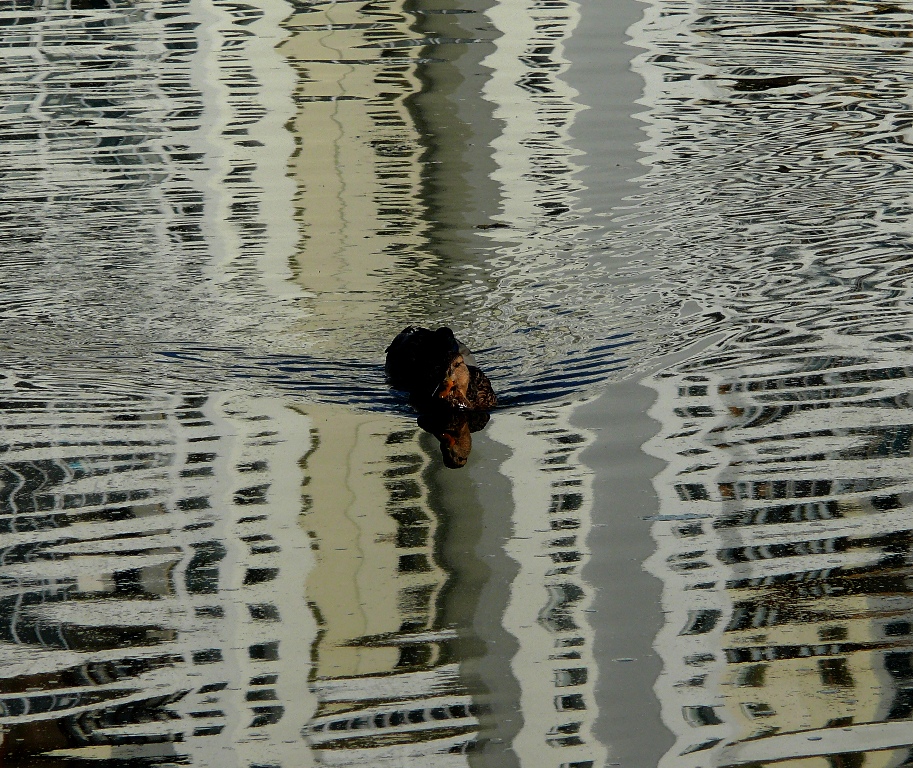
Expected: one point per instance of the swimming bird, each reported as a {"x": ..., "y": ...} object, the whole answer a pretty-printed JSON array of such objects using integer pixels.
[{"x": 438, "y": 371}]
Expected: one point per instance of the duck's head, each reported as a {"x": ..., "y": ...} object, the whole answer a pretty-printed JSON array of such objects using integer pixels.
[{"x": 454, "y": 387}]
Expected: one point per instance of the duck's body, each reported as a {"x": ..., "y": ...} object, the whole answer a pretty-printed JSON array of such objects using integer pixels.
[{"x": 438, "y": 371}]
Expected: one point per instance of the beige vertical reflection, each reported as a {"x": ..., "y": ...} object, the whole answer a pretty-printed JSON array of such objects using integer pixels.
[
  {"x": 384, "y": 690},
  {"x": 357, "y": 166},
  {"x": 549, "y": 599}
]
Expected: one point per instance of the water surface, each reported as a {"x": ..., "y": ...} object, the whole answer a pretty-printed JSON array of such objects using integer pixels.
[{"x": 224, "y": 538}]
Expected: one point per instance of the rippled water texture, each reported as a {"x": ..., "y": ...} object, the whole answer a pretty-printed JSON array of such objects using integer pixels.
[
  {"x": 275, "y": 192},
  {"x": 224, "y": 540},
  {"x": 781, "y": 155}
]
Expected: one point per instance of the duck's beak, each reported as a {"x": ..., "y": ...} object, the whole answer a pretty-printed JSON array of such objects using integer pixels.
[
  {"x": 444, "y": 388},
  {"x": 447, "y": 391}
]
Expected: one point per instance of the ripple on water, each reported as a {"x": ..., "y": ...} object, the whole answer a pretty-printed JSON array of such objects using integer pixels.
[
  {"x": 780, "y": 149},
  {"x": 158, "y": 249},
  {"x": 158, "y": 222}
]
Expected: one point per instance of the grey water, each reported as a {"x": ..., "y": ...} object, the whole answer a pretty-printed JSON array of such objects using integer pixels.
[{"x": 675, "y": 233}]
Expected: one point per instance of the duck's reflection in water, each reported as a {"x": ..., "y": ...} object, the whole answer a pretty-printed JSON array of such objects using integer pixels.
[{"x": 453, "y": 430}]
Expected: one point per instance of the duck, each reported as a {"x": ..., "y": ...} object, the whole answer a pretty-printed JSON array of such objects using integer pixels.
[{"x": 438, "y": 371}]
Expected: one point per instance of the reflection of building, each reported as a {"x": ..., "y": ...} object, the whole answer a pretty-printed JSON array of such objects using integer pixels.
[
  {"x": 358, "y": 168},
  {"x": 784, "y": 545},
  {"x": 384, "y": 687},
  {"x": 143, "y": 585},
  {"x": 537, "y": 109},
  {"x": 540, "y": 251},
  {"x": 152, "y": 567},
  {"x": 437, "y": 181},
  {"x": 783, "y": 538},
  {"x": 145, "y": 158},
  {"x": 554, "y": 665}
]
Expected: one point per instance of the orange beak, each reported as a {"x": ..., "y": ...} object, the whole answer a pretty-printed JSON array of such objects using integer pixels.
[{"x": 445, "y": 388}]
